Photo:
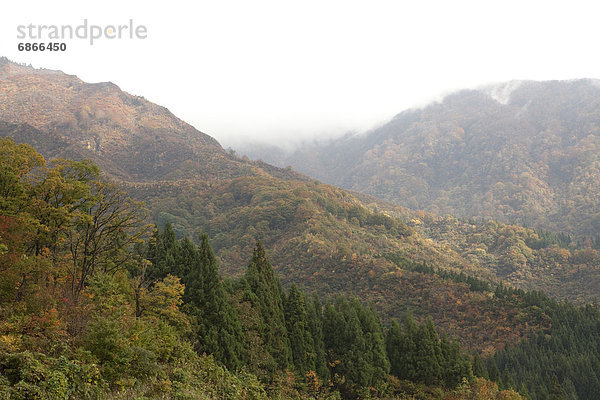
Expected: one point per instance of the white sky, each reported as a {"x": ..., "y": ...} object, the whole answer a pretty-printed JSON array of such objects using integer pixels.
[{"x": 286, "y": 70}]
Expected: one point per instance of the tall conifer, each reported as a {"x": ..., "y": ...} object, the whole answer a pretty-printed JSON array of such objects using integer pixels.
[
  {"x": 262, "y": 281},
  {"x": 301, "y": 341},
  {"x": 219, "y": 329}
]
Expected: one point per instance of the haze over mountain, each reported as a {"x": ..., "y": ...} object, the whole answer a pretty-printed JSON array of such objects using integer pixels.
[{"x": 522, "y": 152}]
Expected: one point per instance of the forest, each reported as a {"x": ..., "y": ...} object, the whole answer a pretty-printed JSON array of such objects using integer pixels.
[
  {"x": 95, "y": 304},
  {"x": 144, "y": 261},
  {"x": 530, "y": 160}
]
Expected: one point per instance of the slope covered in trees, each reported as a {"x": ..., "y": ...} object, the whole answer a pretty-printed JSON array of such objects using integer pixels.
[
  {"x": 528, "y": 158},
  {"x": 94, "y": 306},
  {"x": 320, "y": 237},
  {"x": 556, "y": 263},
  {"x": 559, "y": 362},
  {"x": 76, "y": 321},
  {"x": 128, "y": 137}
]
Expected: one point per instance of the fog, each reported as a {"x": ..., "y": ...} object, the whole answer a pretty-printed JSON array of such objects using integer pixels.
[{"x": 287, "y": 72}]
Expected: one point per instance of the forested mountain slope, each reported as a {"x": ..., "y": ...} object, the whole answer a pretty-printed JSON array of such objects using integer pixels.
[
  {"x": 130, "y": 138},
  {"x": 525, "y": 152},
  {"x": 96, "y": 305},
  {"x": 320, "y": 237},
  {"x": 93, "y": 307}
]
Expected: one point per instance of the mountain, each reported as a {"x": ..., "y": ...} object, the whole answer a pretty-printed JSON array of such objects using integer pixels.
[
  {"x": 130, "y": 138},
  {"x": 320, "y": 237},
  {"x": 522, "y": 153},
  {"x": 93, "y": 306}
]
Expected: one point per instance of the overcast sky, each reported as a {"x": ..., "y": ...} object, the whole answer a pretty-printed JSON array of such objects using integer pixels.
[{"x": 282, "y": 70}]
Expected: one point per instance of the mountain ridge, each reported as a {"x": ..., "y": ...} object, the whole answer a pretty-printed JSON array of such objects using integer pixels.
[{"x": 531, "y": 161}]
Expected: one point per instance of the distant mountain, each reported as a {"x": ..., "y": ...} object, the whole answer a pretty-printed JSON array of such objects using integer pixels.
[
  {"x": 522, "y": 152},
  {"x": 320, "y": 237}
]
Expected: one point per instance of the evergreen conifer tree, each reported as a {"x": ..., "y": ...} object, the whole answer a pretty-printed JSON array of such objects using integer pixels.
[
  {"x": 315, "y": 323},
  {"x": 454, "y": 365},
  {"x": 301, "y": 341},
  {"x": 163, "y": 253},
  {"x": 479, "y": 368},
  {"x": 355, "y": 344},
  {"x": 394, "y": 343},
  {"x": 261, "y": 280},
  {"x": 428, "y": 357},
  {"x": 219, "y": 329}
]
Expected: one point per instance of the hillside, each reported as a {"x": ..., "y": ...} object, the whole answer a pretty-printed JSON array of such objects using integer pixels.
[
  {"x": 322, "y": 238},
  {"x": 95, "y": 305},
  {"x": 523, "y": 153},
  {"x": 86, "y": 314},
  {"x": 130, "y": 138}
]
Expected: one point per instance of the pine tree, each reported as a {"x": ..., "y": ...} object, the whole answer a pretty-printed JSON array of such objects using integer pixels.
[
  {"x": 163, "y": 253},
  {"x": 261, "y": 280},
  {"x": 258, "y": 360},
  {"x": 315, "y": 323},
  {"x": 187, "y": 258},
  {"x": 301, "y": 341},
  {"x": 343, "y": 341},
  {"x": 418, "y": 355},
  {"x": 479, "y": 368},
  {"x": 219, "y": 329},
  {"x": 428, "y": 368},
  {"x": 524, "y": 392},
  {"x": 373, "y": 329},
  {"x": 355, "y": 344},
  {"x": 455, "y": 366},
  {"x": 493, "y": 371},
  {"x": 395, "y": 347},
  {"x": 409, "y": 369}
]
